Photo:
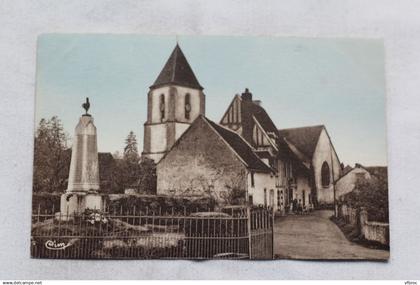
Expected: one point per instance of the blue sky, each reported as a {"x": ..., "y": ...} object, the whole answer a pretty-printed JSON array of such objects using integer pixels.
[{"x": 301, "y": 81}]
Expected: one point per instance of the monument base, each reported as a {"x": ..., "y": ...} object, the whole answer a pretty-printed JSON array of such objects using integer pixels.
[{"x": 75, "y": 203}]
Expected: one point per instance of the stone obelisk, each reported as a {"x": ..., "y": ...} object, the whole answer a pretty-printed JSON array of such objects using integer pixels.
[{"x": 83, "y": 182}]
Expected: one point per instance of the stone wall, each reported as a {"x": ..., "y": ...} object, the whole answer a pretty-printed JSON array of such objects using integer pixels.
[
  {"x": 201, "y": 164},
  {"x": 373, "y": 231},
  {"x": 369, "y": 230}
]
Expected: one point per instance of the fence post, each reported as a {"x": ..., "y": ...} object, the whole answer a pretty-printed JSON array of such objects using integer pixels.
[
  {"x": 272, "y": 233},
  {"x": 363, "y": 218},
  {"x": 248, "y": 211}
]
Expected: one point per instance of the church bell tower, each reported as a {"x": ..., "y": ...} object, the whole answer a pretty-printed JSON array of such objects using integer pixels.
[{"x": 174, "y": 101}]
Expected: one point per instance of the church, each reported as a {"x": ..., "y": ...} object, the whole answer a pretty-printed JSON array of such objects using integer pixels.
[{"x": 244, "y": 157}]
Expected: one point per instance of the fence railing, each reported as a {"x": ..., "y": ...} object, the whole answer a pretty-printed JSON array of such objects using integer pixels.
[{"x": 144, "y": 234}]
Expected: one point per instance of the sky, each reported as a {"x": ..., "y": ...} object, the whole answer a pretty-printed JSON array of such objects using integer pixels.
[{"x": 301, "y": 82}]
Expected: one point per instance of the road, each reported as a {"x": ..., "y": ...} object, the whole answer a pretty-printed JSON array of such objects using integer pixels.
[{"x": 315, "y": 236}]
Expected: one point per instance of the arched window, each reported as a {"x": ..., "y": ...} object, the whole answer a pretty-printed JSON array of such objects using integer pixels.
[
  {"x": 325, "y": 174},
  {"x": 162, "y": 106},
  {"x": 187, "y": 105}
]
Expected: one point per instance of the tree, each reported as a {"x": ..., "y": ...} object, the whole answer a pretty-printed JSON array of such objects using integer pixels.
[
  {"x": 134, "y": 172},
  {"x": 131, "y": 152},
  {"x": 50, "y": 157},
  {"x": 147, "y": 177},
  {"x": 371, "y": 194}
]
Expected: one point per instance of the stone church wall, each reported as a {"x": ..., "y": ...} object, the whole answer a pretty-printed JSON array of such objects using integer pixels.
[{"x": 200, "y": 164}]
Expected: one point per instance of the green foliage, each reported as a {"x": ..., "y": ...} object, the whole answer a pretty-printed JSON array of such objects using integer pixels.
[
  {"x": 50, "y": 157},
  {"x": 45, "y": 202},
  {"x": 159, "y": 204},
  {"x": 236, "y": 196},
  {"x": 372, "y": 194},
  {"x": 147, "y": 178},
  {"x": 131, "y": 152},
  {"x": 133, "y": 172}
]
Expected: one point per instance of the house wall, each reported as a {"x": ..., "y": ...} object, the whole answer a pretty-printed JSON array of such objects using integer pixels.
[
  {"x": 346, "y": 183},
  {"x": 201, "y": 164},
  {"x": 303, "y": 190},
  {"x": 324, "y": 152},
  {"x": 263, "y": 181}
]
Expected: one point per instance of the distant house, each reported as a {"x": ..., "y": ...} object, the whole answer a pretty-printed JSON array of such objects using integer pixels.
[
  {"x": 211, "y": 160},
  {"x": 347, "y": 182}
]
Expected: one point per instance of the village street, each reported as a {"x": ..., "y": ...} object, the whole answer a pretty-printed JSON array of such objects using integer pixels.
[{"x": 314, "y": 236}]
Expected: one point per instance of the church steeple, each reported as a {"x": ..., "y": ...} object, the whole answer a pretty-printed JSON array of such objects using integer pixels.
[
  {"x": 174, "y": 101},
  {"x": 177, "y": 71}
]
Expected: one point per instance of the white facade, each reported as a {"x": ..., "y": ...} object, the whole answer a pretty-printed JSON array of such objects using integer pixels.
[
  {"x": 347, "y": 182},
  {"x": 262, "y": 189},
  {"x": 325, "y": 152}
]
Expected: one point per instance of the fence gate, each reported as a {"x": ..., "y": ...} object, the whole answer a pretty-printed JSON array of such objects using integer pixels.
[{"x": 261, "y": 234}]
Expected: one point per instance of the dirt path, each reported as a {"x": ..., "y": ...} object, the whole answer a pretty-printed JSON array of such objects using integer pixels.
[{"x": 314, "y": 236}]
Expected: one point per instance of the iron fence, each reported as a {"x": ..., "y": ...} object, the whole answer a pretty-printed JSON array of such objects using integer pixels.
[{"x": 142, "y": 234}]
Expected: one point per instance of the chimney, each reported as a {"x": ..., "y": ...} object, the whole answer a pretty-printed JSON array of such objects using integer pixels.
[
  {"x": 357, "y": 165},
  {"x": 247, "y": 96},
  {"x": 257, "y": 102}
]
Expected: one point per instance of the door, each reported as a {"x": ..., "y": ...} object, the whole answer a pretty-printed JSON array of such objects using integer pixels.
[{"x": 272, "y": 198}]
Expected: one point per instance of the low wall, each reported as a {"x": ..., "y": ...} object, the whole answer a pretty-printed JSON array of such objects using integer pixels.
[
  {"x": 369, "y": 230},
  {"x": 373, "y": 231}
]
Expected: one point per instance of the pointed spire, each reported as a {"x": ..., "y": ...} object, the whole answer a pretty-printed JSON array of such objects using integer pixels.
[{"x": 177, "y": 71}]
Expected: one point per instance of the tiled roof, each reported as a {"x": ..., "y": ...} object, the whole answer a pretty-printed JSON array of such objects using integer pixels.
[
  {"x": 241, "y": 147},
  {"x": 177, "y": 71},
  {"x": 249, "y": 109},
  {"x": 347, "y": 169},
  {"x": 304, "y": 138}
]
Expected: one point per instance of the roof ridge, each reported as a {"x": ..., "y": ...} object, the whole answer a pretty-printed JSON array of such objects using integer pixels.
[
  {"x": 240, "y": 137},
  {"x": 294, "y": 128},
  {"x": 177, "y": 71}
]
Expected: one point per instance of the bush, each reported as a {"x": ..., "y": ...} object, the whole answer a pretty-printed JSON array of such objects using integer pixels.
[
  {"x": 45, "y": 202},
  {"x": 372, "y": 194},
  {"x": 158, "y": 204}
]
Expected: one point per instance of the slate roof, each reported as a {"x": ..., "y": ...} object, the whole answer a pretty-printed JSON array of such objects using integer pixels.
[
  {"x": 177, "y": 71},
  {"x": 241, "y": 147},
  {"x": 304, "y": 138}
]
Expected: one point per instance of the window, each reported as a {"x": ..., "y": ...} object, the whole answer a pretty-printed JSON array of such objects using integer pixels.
[
  {"x": 325, "y": 174},
  {"x": 250, "y": 200},
  {"x": 162, "y": 106},
  {"x": 252, "y": 180},
  {"x": 271, "y": 198},
  {"x": 278, "y": 198},
  {"x": 187, "y": 106}
]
